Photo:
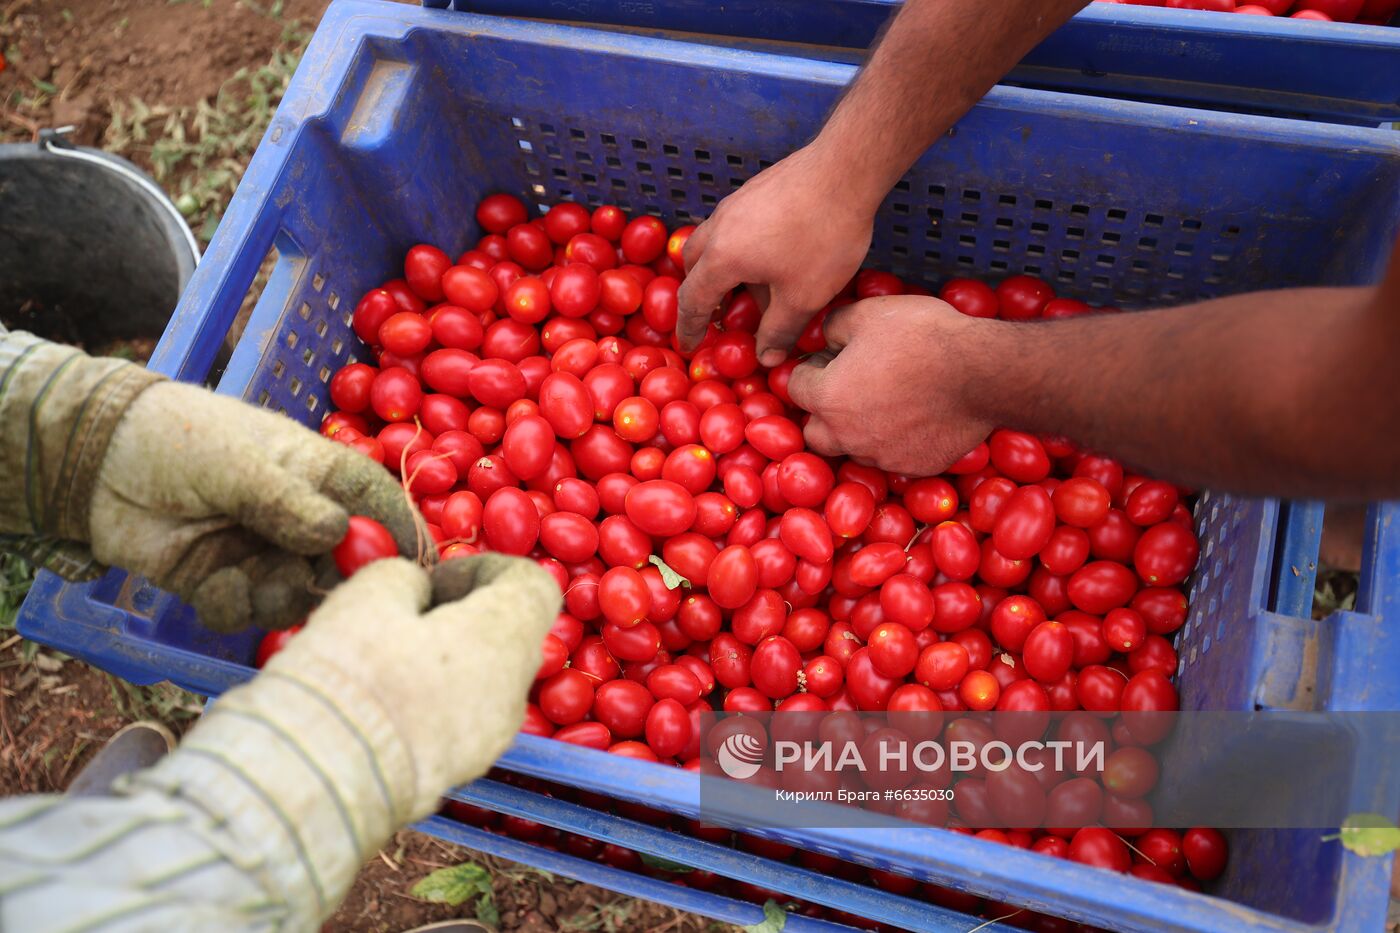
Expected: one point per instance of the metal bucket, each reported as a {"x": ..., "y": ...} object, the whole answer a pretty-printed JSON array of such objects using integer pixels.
[{"x": 91, "y": 250}]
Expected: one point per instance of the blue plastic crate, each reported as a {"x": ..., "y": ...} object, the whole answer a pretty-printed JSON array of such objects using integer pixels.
[
  {"x": 616, "y": 879},
  {"x": 400, "y": 119},
  {"x": 1338, "y": 72}
]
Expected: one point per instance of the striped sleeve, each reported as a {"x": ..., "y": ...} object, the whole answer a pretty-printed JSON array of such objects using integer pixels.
[
  {"x": 144, "y": 861},
  {"x": 260, "y": 820}
]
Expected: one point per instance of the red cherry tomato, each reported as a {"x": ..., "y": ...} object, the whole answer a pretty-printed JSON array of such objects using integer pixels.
[
  {"x": 942, "y": 665},
  {"x": 395, "y": 394},
  {"x": 564, "y": 220},
  {"x": 635, "y": 419},
  {"x": 805, "y": 479},
  {"x": 1100, "y": 689},
  {"x": 405, "y": 333},
  {"x": 428, "y": 472},
  {"x": 529, "y": 245},
  {"x": 1124, "y": 630},
  {"x": 365, "y": 541},
  {"x": 1019, "y": 456},
  {"x": 376, "y": 307},
  {"x": 638, "y": 643},
  {"x": 567, "y": 405},
  {"x": 1048, "y": 652},
  {"x": 497, "y": 213},
  {"x": 350, "y": 387},
  {"x": 979, "y": 690},
  {"x": 566, "y": 697},
  {"x": 660, "y": 507},
  {"x": 1022, "y": 297},
  {"x": 1066, "y": 551},
  {"x": 1081, "y": 501},
  {"x": 692, "y": 467},
  {"x": 423, "y": 270},
  {"x": 1206, "y": 852},
  {"x": 971, "y": 297},
  {"x": 1150, "y": 502},
  {"x": 1102, "y": 585},
  {"x": 574, "y": 292},
  {"x": 668, "y": 728},
  {"x": 733, "y": 577},
  {"x": 272, "y": 643},
  {"x": 1024, "y": 524},
  {"x": 806, "y": 535},
  {"x": 848, "y": 509},
  {"x": 1166, "y": 554},
  {"x": 893, "y": 650},
  {"x": 904, "y": 599},
  {"x": 510, "y": 521},
  {"x": 774, "y": 667},
  {"x": 643, "y": 240}
]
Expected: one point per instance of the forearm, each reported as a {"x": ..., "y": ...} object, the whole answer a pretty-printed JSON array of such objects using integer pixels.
[
  {"x": 259, "y": 820},
  {"x": 1288, "y": 393},
  {"x": 937, "y": 59},
  {"x": 148, "y": 861}
]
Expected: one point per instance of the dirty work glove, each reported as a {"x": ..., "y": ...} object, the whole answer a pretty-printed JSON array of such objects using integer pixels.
[
  {"x": 402, "y": 685},
  {"x": 217, "y": 501}
]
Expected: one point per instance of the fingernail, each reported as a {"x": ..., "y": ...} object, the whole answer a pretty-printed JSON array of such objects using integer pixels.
[{"x": 772, "y": 357}]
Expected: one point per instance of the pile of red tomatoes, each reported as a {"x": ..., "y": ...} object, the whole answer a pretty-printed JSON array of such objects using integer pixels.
[{"x": 531, "y": 396}]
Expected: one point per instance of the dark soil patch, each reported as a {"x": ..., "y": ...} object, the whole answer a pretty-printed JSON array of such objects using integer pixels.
[{"x": 84, "y": 54}]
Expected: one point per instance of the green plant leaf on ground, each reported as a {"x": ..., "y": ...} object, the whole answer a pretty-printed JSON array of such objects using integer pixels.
[
  {"x": 457, "y": 884},
  {"x": 15, "y": 578},
  {"x": 1368, "y": 834},
  {"x": 774, "y": 920}
]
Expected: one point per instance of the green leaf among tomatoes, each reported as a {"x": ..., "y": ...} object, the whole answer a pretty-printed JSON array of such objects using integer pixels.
[{"x": 668, "y": 576}]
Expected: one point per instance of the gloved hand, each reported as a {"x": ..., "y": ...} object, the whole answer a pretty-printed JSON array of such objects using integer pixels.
[
  {"x": 213, "y": 499},
  {"x": 402, "y": 685},
  {"x": 448, "y": 657}
]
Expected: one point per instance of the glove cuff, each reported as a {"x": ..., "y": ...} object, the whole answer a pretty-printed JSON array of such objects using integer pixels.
[
  {"x": 69, "y": 559},
  {"x": 58, "y": 410}
]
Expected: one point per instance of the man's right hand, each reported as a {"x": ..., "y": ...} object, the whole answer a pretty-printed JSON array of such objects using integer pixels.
[
  {"x": 793, "y": 233},
  {"x": 903, "y": 385}
]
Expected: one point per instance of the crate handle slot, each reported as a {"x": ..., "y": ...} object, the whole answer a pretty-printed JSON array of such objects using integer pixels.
[{"x": 1347, "y": 660}]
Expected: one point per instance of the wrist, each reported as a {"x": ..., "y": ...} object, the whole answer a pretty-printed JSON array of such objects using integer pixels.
[
  {"x": 857, "y": 188},
  {"x": 306, "y": 771},
  {"x": 291, "y": 783}
]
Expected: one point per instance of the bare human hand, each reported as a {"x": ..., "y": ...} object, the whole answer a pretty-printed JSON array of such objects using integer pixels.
[
  {"x": 794, "y": 234},
  {"x": 898, "y": 387}
]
